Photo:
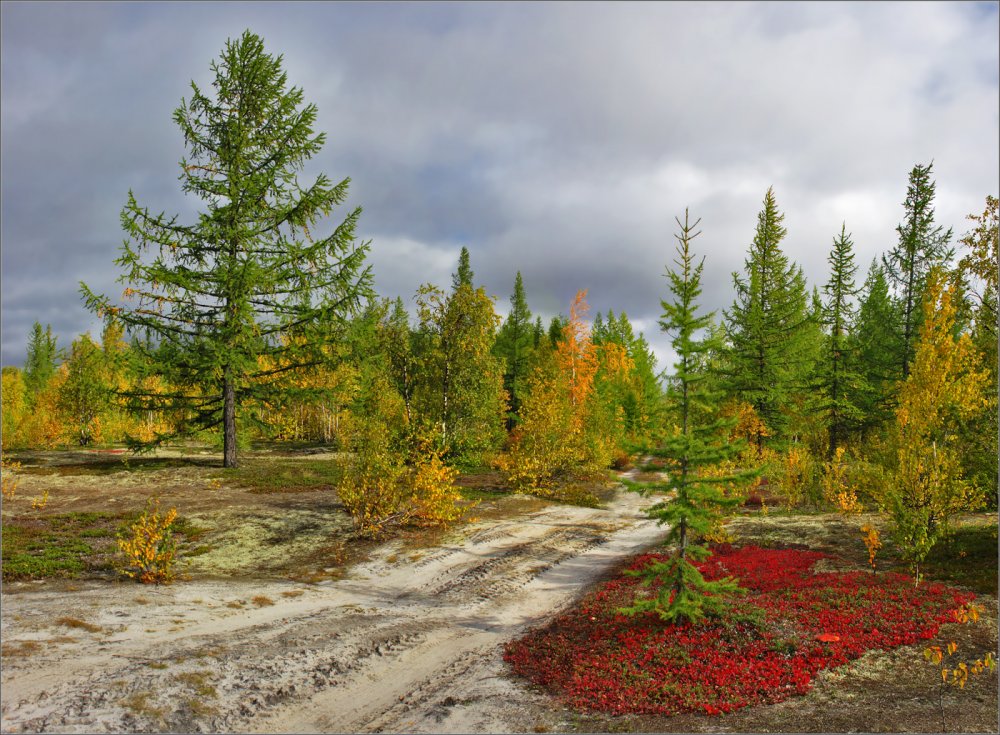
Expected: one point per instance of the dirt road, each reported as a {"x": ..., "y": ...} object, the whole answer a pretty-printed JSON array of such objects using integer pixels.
[{"x": 408, "y": 641}]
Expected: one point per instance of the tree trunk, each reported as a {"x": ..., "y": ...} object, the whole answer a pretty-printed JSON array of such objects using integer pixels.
[{"x": 228, "y": 423}]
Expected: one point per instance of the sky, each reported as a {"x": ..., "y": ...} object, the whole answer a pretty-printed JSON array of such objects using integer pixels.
[{"x": 558, "y": 139}]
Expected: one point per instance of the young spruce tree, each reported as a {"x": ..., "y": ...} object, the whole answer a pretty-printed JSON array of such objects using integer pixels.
[
  {"x": 242, "y": 301},
  {"x": 700, "y": 444}
]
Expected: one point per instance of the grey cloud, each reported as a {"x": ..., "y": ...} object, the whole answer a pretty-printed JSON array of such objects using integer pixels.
[{"x": 558, "y": 140}]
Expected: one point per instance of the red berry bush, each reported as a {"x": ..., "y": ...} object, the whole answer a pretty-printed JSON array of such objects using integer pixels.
[{"x": 791, "y": 623}]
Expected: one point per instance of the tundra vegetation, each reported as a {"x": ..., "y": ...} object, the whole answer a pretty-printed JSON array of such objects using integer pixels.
[{"x": 248, "y": 329}]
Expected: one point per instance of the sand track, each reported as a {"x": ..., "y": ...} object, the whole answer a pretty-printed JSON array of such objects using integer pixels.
[{"x": 402, "y": 643}]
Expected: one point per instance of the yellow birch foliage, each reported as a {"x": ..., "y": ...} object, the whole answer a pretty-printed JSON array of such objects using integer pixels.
[
  {"x": 43, "y": 428},
  {"x": 947, "y": 386},
  {"x": 794, "y": 471},
  {"x": 148, "y": 546},
  {"x": 560, "y": 434},
  {"x": 14, "y": 403},
  {"x": 747, "y": 427},
  {"x": 836, "y": 487},
  {"x": 872, "y": 542},
  {"x": 434, "y": 500}
]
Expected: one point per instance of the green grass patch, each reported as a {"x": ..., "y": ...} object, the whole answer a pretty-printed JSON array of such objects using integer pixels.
[
  {"x": 70, "y": 545},
  {"x": 54, "y": 546},
  {"x": 285, "y": 475},
  {"x": 102, "y": 467},
  {"x": 968, "y": 558},
  {"x": 482, "y": 493}
]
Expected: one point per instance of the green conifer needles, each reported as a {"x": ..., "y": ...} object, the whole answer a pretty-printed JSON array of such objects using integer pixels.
[
  {"x": 698, "y": 446},
  {"x": 237, "y": 305}
]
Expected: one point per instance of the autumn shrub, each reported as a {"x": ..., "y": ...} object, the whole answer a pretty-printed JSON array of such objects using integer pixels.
[
  {"x": 621, "y": 460},
  {"x": 434, "y": 497},
  {"x": 9, "y": 478},
  {"x": 954, "y": 671},
  {"x": 148, "y": 547},
  {"x": 371, "y": 488},
  {"x": 565, "y": 433},
  {"x": 837, "y": 487},
  {"x": 795, "y": 470}
]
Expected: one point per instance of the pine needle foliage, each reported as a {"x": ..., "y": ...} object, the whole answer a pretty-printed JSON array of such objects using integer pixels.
[
  {"x": 700, "y": 444},
  {"x": 232, "y": 308}
]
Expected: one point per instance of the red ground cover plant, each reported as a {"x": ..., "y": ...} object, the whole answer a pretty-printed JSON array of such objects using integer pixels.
[{"x": 791, "y": 623}]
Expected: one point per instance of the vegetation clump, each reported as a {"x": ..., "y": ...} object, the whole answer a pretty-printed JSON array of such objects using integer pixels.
[
  {"x": 791, "y": 623},
  {"x": 148, "y": 546}
]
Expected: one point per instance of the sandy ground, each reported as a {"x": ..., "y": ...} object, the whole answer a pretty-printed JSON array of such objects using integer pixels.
[{"x": 407, "y": 641}]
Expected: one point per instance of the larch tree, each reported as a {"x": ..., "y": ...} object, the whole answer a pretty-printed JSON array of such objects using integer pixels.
[
  {"x": 768, "y": 324},
  {"x": 239, "y": 303},
  {"x": 634, "y": 391},
  {"x": 701, "y": 443},
  {"x": 921, "y": 247},
  {"x": 838, "y": 379},
  {"x": 464, "y": 275}
]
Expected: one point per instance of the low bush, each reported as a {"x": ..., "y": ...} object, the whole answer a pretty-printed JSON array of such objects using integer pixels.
[{"x": 771, "y": 643}]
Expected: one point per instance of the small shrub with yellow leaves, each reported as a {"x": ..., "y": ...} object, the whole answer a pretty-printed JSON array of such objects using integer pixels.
[
  {"x": 9, "y": 478},
  {"x": 435, "y": 498},
  {"x": 148, "y": 546},
  {"x": 795, "y": 470},
  {"x": 836, "y": 487},
  {"x": 956, "y": 673},
  {"x": 872, "y": 542}
]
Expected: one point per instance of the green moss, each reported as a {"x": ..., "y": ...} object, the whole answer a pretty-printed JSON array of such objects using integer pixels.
[{"x": 285, "y": 475}]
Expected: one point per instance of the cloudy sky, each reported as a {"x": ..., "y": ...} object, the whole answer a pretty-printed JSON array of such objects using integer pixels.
[{"x": 557, "y": 139}]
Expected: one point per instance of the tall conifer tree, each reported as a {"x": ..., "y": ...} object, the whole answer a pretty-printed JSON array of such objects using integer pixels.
[
  {"x": 768, "y": 324},
  {"x": 838, "y": 378},
  {"x": 244, "y": 300},
  {"x": 464, "y": 275},
  {"x": 701, "y": 444},
  {"x": 921, "y": 247},
  {"x": 41, "y": 363},
  {"x": 875, "y": 342},
  {"x": 514, "y": 344}
]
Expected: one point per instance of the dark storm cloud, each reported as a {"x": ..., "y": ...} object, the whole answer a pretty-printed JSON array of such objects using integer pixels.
[{"x": 559, "y": 140}]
